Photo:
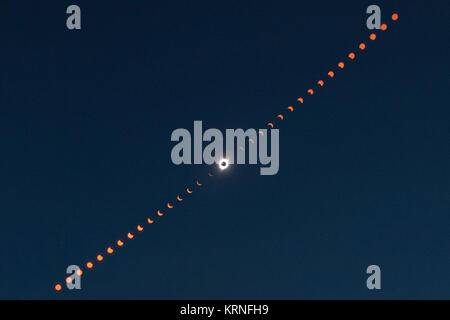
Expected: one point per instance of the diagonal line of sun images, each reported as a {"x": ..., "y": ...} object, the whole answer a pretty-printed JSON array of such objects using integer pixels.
[{"x": 199, "y": 183}]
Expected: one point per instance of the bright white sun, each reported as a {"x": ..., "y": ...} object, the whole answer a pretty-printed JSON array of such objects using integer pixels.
[{"x": 223, "y": 164}]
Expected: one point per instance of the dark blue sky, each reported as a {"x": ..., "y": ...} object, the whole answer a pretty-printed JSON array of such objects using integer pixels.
[{"x": 85, "y": 125}]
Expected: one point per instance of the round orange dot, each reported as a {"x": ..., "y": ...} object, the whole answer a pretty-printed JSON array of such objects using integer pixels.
[
  {"x": 395, "y": 17},
  {"x": 384, "y": 27},
  {"x": 68, "y": 280},
  {"x": 89, "y": 265},
  {"x": 373, "y": 36},
  {"x": 79, "y": 272},
  {"x": 362, "y": 46},
  {"x": 58, "y": 287},
  {"x": 100, "y": 257}
]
